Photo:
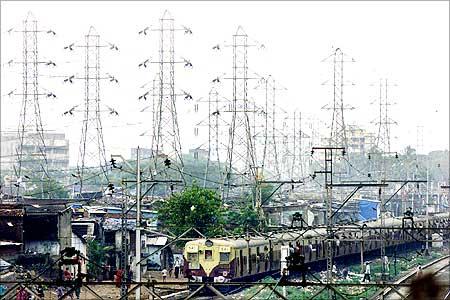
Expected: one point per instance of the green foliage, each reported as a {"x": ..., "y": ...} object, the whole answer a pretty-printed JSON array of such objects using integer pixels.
[
  {"x": 97, "y": 254},
  {"x": 47, "y": 188},
  {"x": 194, "y": 207},
  {"x": 238, "y": 221}
]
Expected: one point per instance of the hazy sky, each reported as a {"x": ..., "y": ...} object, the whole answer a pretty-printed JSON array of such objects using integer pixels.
[{"x": 407, "y": 42}]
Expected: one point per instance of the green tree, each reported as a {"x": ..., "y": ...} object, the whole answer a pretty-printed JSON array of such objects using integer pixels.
[
  {"x": 194, "y": 207},
  {"x": 238, "y": 221},
  {"x": 47, "y": 188},
  {"x": 97, "y": 255}
]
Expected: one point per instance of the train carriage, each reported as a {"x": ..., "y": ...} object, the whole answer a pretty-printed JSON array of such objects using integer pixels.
[{"x": 238, "y": 259}]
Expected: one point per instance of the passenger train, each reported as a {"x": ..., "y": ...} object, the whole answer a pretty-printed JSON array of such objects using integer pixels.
[{"x": 240, "y": 259}]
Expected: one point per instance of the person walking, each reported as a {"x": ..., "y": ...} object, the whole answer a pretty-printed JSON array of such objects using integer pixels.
[
  {"x": 386, "y": 265},
  {"x": 367, "y": 273},
  {"x": 345, "y": 272},
  {"x": 177, "y": 267}
]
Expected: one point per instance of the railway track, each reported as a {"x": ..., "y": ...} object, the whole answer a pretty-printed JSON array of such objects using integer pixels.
[{"x": 436, "y": 267}]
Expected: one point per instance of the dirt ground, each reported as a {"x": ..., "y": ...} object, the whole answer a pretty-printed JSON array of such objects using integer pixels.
[{"x": 110, "y": 291}]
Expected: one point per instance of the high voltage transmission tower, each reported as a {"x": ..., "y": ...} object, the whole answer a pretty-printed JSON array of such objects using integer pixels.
[
  {"x": 166, "y": 139},
  {"x": 215, "y": 124},
  {"x": 241, "y": 159},
  {"x": 92, "y": 147},
  {"x": 271, "y": 168},
  {"x": 338, "y": 136},
  {"x": 384, "y": 121},
  {"x": 31, "y": 152},
  {"x": 298, "y": 168}
]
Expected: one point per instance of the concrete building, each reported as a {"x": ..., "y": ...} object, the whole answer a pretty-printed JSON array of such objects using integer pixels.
[
  {"x": 56, "y": 149},
  {"x": 359, "y": 140},
  {"x": 198, "y": 153}
]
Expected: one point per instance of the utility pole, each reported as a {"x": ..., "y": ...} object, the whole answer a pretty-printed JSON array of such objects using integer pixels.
[
  {"x": 362, "y": 250},
  {"x": 124, "y": 250},
  {"x": 328, "y": 172},
  {"x": 139, "y": 195},
  {"x": 138, "y": 223},
  {"x": 427, "y": 207}
]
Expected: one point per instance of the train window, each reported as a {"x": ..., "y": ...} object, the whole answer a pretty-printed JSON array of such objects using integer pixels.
[
  {"x": 192, "y": 256},
  {"x": 224, "y": 256},
  {"x": 208, "y": 255}
]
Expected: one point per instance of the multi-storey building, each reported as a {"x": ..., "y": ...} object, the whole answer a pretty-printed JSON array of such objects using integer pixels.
[{"x": 56, "y": 149}]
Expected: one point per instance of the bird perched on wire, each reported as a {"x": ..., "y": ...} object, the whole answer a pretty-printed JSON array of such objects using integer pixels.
[
  {"x": 50, "y": 63},
  {"x": 113, "y": 47},
  {"x": 70, "y": 111},
  {"x": 10, "y": 62},
  {"x": 216, "y": 80},
  {"x": 51, "y": 95},
  {"x": 69, "y": 47},
  {"x": 144, "y": 63},
  {"x": 69, "y": 79},
  {"x": 144, "y": 31},
  {"x": 216, "y": 113},
  {"x": 51, "y": 32},
  {"x": 143, "y": 96}
]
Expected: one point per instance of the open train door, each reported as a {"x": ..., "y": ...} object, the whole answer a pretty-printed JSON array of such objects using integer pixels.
[{"x": 283, "y": 259}]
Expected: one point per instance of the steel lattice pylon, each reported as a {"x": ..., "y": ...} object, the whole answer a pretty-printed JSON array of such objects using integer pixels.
[
  {"x": 215, "y": 127},
  {"x": 241, "y": 158},
  {"x": 384, "y": 122},
  {"x": 31, "y": 150},
  {"x": 271, "y": 167},
  {"x": 166, "y": 135},
  {"x": 92, "y": 146},
  {"x": 338, "y": 136}
]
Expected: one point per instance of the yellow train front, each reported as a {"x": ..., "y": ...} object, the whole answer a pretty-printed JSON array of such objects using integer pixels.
[{"x": 219, "y": 260}]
